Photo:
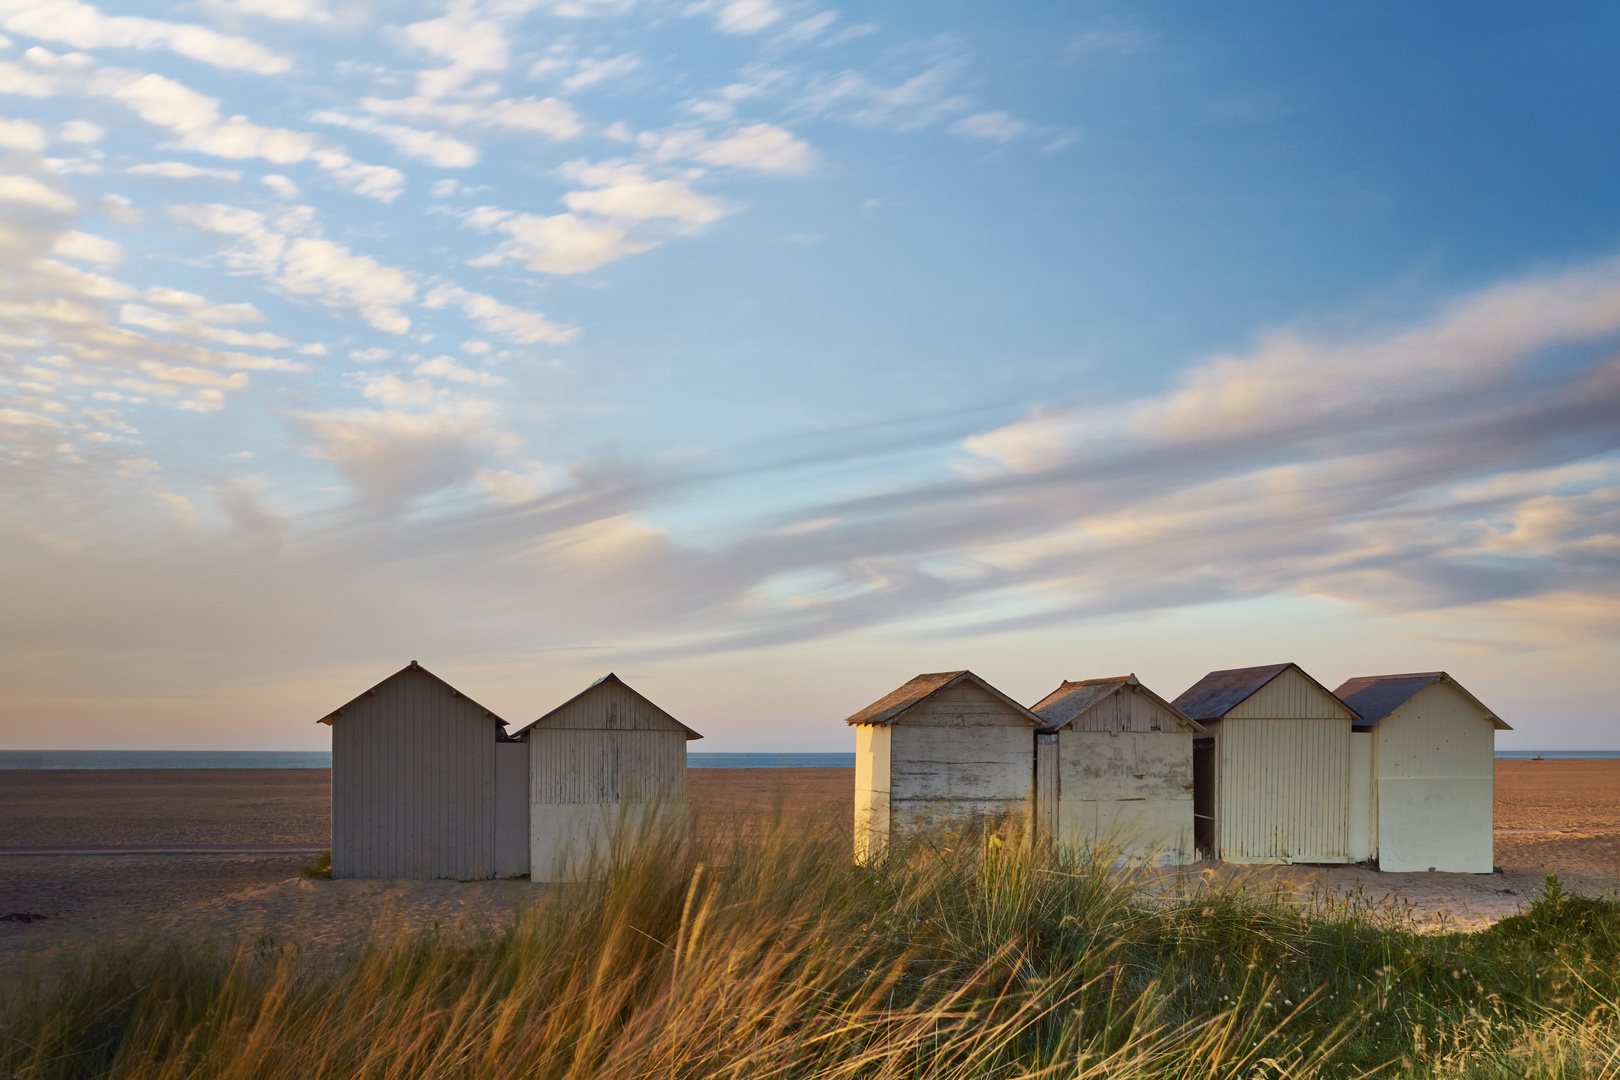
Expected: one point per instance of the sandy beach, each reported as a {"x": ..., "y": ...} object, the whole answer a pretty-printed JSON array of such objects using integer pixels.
[{"x": 1551, "y": 817}]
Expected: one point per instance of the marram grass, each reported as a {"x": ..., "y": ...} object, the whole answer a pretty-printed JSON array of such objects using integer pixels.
[{"x": 768, "y": 954}]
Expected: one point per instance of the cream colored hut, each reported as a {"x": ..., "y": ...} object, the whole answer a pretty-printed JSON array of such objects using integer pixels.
[
  {"x": 1422, "y": 776},
  {"x": 1278, "y": 761},
  {"x": 603, "y": 761},
  {"x": 946, "y": 747},
  {"x": 1120, "y": 771},
  {"x": 413, "y": 781}
]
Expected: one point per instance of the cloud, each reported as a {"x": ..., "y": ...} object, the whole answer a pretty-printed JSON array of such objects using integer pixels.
[
  {"x": 196, "y": 122},
  {"x": 88, "y": 248},
  {"x": 307, "y": 266},
  {"x": 311, "y": 11},
  {"x": 558, "y": 244},
  {"x": 21, "y": 135},
  {"x": 740, "y": 17},
  {"x": 991, "y": 126},
  {"x": 543, "y": 116},
  {"x": 443, "y": 367},
  {"x": 392, "y": 458},
  {"x": 82, "y": 131},
  {"x": 923, "y": 99},
  {"x": 515, "y": 324},
  {"x": 435, "y": 149},
  {"x": 85, "y": 27},
  {"x": 591, "y": 71},
  {"x": 763, "y": 148},
  {"x": 27, "y": 191},
  {"x": 626, "y": 193},
  {"x": 179, "y": 170}
]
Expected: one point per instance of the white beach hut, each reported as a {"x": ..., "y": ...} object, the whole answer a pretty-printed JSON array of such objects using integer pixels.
[
  {"x": 945, "y": 747},
  {"x": 1422, "y": 773},
  {"x": 413, "y": 781},
  {"x": 1117, "y": 768},
  {"x": 606, "y": 759},
  {"x": 1278, "y": 763}
]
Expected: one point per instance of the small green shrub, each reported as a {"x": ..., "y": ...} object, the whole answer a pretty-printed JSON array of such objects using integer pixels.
[{"x": 320, "y": 868}]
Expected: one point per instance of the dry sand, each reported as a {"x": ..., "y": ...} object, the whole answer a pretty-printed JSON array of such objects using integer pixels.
[{"x": 1552, "y": 817}]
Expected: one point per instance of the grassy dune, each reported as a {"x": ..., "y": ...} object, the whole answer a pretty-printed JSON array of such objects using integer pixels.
[{"x": 772, "y": 956}]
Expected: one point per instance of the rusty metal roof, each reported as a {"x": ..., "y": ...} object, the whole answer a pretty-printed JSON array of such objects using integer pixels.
[
  {"x": 1219, "y": 692},
  {"x": 413, "y": 666},
  {"x": 1071, "y": 699},
  {"x": 890, "y": 707},
  {"x": 608, "y": 678},
  {"x": 1376, "y": 696}
]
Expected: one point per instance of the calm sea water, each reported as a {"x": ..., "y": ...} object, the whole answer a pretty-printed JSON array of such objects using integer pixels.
[{"x": 322, "y": 759}]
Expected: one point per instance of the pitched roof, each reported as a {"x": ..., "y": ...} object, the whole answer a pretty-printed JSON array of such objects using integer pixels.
[
  {"x": 412, "y": 667},
  {"x": 1219, "y": 692},
  {"x": 890, "y": 707},
  {"x": 605, "y": 679},
  {"x": 1376, "y": 696},
  {"x": 1071, "y": 699}
]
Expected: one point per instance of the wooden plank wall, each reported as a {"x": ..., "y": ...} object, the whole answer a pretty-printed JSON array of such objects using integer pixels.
[
  {"x": 1435, "y": 784},
  {"x": 962, "y": 755},
  {"x": 597, "y": 766},
  {"x": 1126, "y": 710},
  {"x": 413, "y": 784},
  {"x": 1284, "y": 792}
]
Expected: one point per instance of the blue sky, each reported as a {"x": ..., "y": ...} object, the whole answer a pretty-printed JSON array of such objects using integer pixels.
[{"x": 769, "y": 353}]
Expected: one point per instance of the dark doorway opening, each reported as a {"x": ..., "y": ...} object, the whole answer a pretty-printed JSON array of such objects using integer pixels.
[{"x": 1204, "y": 797}]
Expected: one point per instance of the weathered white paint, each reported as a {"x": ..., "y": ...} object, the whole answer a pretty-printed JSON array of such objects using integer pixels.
[
  {"x": 511, "y": 809},
  {"x": 1436, "y": 766},
  {"x": 602, "y": 768},
  {"x": 1361, "y": 789},
  {"x": 1048, "y": 785},
  {"x": 945, "y": 749},
  {"x": 413, "y": 764},
  {"x": 871, "y": 793},
  {"x": 1284, "y": 756},
  {"x": 962, "y": 756},
  {"x": 1132, "y": 790}
]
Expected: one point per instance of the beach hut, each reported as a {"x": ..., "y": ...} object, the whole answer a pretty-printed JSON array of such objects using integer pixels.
[
  {"x": 944, "y": 748},
  {"x": 413, "y": 781},
  {"x": 1422, "y": 776},
  {"x": 1274, "y": 770},
  {"x": 605, "y": 760},
  {"x": 1119, "y": 771}
]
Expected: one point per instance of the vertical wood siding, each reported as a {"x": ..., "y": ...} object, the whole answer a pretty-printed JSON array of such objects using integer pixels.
[
  {"x": 511, "y": 809},
  {"x": 413, "y": 784},
  {"x": 1290, "y": 695},
  {"x": 604, "y": 763},
  {"x": 1436, "y": 769},
  {"x": 871, "y": 793},
  {"x": 962, "y": 755},
  {"x": 1126, "y": 710},
  {"x": 1362, "y": 782},
  {"x": 1048, "y": 785},
  {"x": 1132, "y": 790},
  {"x": 1283, "y": 789}
]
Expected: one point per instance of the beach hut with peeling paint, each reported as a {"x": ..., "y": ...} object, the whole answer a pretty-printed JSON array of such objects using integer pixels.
[
  {"x": 1275, "y": 766},
  {"x": 1422, "y": 773},
  {"x": 1115, "y": 767},
  {"x": 945, "y": 748},
  {"x": 606, "y": 762},
  {"x": 413, "y": 781}
]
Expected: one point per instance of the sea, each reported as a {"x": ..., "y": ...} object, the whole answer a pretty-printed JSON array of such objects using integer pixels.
[{"x": 322, "y": 759}]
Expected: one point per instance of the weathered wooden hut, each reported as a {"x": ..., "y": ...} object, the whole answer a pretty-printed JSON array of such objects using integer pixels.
[
  {"x": 413, "y": 781},
  {"x": 1422, "y": 773},
  {"x": 945, "y": 747},
  {"x": 605, "y": 760},
  {"x": 1119, "y": 770},
  {"x": 1276, "y": 760}
]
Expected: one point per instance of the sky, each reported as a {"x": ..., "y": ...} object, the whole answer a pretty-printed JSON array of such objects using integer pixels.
[{"x": 768, "y": 353}]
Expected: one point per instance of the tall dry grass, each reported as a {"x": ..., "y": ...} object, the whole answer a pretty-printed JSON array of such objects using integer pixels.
[{"x": 768, "y": 954}]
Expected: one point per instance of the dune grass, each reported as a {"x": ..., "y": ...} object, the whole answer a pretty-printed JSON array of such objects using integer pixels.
[{"x": 770, "y": 955}]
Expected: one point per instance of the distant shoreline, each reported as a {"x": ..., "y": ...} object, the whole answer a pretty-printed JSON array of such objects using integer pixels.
[{"x": 322, "y": 759}]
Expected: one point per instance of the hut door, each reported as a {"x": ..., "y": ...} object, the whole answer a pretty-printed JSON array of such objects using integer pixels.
[
  {"x": 1204, "y": 797},
  {"x": 1046, "y": 786}
]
